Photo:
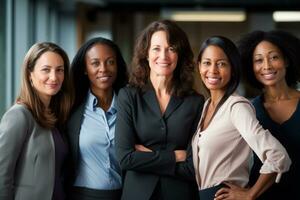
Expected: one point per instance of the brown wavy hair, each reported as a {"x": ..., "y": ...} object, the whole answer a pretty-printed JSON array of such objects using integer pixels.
[
  {"x": 183, "y": 80},
  {"x": 60, "y": 103}
]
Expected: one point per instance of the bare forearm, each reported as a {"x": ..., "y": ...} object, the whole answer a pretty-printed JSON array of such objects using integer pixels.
[{"x": 263, "y": 182}]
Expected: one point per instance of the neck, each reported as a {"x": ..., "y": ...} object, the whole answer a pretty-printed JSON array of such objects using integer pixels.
[
  {"x": 215, "y": 97},
  {"x": 46, "y": 101},
  {"x": 104, "y": 97},
  {"x": 160, "y": 83},
  {"x": 277, "y": 93}
]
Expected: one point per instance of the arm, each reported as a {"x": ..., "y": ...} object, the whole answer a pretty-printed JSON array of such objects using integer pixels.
[
  {"x": 13, "y": 129},
  {"x": 268, "y": 149},
  {"x": 160, "y": 162},
  {"x": 186, "y": 169},
  {"x": 234, "y": 192}
]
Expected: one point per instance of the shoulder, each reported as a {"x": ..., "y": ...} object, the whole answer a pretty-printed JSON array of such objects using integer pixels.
[
  {"x": 195, "y": 98},
  {"x": 128, "y": 93},
  {"x": 17, "y": 118},
  {"x": 18, "y": 112},
  {"x": 237, "y": 101},
  {"x": 128, "y": 90}
]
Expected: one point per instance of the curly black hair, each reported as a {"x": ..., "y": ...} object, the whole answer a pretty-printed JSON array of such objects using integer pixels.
[{"x": 287, "y": 43}]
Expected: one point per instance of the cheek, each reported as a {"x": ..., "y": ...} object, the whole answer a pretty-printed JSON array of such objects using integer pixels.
[{"x": 256, "y": 70}]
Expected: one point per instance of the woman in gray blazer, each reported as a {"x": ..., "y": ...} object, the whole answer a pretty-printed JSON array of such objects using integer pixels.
[
  {"x": 157, "y": 116},
  {"x": 32, "y": 149}
]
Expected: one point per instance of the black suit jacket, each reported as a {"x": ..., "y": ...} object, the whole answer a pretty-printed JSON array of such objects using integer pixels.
[{"x": 140, "y": 121}]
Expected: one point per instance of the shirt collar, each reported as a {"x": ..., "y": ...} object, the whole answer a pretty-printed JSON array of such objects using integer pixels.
[{"x": 93, "y": 101}]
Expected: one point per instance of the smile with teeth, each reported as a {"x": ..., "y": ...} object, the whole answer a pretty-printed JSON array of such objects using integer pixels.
[
  {"x": 213, "y": 80},
  {"x": 104, "y": 78},
  {"x": 163, "y": 64},
  {"x": 269, "y": 75}
]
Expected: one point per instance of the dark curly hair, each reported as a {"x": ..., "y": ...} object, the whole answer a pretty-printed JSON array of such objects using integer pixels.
[
  {"x": 234, "y": 58},
  {"x": 81, "y": 82},
  {"x": 289, "y": 46},
  {"x": 183, "y": 80}
]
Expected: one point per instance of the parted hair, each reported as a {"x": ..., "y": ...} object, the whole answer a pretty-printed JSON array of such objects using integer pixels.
[
  {"x": 234, "y": 58},
  {"x": 60, "y": 103},
  {"x": 288, "y": 44},
  {"x": 182, "y": 80}
]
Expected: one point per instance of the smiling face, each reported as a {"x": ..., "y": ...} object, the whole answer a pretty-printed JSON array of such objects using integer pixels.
[
  {"x": 161, "y": 56},
  {"x": 268, "y": 64},
  {"x": 101, "y": 67},
  {"x": 47, "y": 75},
  {"x": 215, "y": 68}
]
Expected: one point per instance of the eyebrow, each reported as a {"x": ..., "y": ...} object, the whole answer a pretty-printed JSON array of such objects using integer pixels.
[
  {"x": 272, "y": 51},
  {"x": 48, "y": 66}
]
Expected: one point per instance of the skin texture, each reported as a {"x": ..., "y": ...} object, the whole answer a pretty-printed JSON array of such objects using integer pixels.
[
  {"x": 162, "y": 60},
  {"x": 215, "y": 72},
  {"x": 269, "y": 67},
  {"x": 101, "y": 69},
  {"x": 268, "y": 64},
  {"x": 47, "y": 76}
]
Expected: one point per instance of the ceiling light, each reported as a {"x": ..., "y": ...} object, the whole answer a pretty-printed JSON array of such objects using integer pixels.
[
  {"x": 205, "y": 16},
  {"x": 286, "y": 16}
]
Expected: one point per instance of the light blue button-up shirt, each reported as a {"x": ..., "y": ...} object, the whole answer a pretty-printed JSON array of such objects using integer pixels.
[{"x": 98, "y": 166}]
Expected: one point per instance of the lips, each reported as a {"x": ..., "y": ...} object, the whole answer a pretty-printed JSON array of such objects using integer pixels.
[
  {"x": 163, "y": 64},
  {"x": 269, "y": 75},
  {"x": 104, "y": 78},
  {"x": 53, "y": 86},
  {"x": 213, "y": 80}
]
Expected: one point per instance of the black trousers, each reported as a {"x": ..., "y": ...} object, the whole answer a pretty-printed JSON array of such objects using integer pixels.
[
  {"x": 81, "y": 193},
  {"x": 209, "y": 193}
]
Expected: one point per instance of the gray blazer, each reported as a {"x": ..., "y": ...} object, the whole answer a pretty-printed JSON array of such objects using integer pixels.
[{"x": 27, "y": 157}]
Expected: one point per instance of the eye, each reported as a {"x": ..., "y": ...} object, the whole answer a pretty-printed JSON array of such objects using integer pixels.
[
  {"x": 95, "y": 63},
  {"x": 155, "y": 49},
  {"x": 221, "y": 64},
  {"x": 172, "y": 49},
  {"x": 46, "y": 70},
  {"x": 205, "y": 63},
  {"x": 61, "y": 70},
  {"x": 111, "y": 62},
  {"x": 274, "y": 57},
  {"x": 258, "y": 60}
]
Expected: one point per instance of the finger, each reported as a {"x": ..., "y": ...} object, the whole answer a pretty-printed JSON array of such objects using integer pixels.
[
  {"x": 221, "y": 196},
  {"x": 230, "y": 185},
  {"x": 221, "y": 191}
]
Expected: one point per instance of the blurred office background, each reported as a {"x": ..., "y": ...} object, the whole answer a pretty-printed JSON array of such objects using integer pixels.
[{"x": 69, "y": 23}]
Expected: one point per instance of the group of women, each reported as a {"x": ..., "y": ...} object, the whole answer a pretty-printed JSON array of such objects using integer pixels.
[{"x": 92, "y": 131}]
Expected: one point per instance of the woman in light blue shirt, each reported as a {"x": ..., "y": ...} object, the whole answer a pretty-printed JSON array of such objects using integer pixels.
[{"x": 98, "y": 71}]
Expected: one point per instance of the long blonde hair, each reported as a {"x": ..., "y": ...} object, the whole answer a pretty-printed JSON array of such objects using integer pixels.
[{"x": 60, "y": 103}]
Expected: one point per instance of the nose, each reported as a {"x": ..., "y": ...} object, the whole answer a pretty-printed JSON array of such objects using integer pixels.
[
  {"x": 102, "y": 67},
  {"x": 164, "y": 53},
  {"x": 213, "y": 68},
  {"x": 267, "y": 64},
  {"x": 53, "y": 75}
]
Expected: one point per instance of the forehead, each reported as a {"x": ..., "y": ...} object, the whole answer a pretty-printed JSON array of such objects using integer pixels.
[
  {"x": 100, "y": 49},
  {"x": 266, "y": 47},
  {"x": 50, "y": 58},
  {"x": 159, "y": 37},
  {"x": 213, "y": 52}
]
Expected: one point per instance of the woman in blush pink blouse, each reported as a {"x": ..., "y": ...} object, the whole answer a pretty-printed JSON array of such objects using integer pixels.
[{"x": 228, "y": 131}]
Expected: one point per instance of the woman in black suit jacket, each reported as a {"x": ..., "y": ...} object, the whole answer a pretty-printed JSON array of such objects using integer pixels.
[{"x": 157, "y": 115}]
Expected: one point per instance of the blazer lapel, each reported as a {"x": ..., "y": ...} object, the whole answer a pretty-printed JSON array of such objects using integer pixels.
[
  {"x": 173, "y": 104},
  {"x": 74, "y": 128},
  {"x": 150, "y": 99}
]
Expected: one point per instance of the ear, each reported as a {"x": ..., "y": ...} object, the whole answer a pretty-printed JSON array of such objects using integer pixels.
[{"x": 30, "y": 79}]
